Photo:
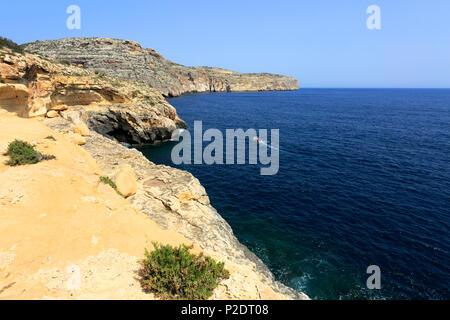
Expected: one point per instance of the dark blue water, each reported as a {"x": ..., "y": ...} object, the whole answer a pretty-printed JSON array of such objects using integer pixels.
[{"x": 364, "y": 180}]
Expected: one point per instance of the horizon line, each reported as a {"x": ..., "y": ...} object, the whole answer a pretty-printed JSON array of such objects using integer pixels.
[{"x": 405, "y": 88}]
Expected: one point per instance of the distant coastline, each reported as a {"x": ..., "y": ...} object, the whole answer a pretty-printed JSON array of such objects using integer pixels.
[{"x": 129, "y": 60}]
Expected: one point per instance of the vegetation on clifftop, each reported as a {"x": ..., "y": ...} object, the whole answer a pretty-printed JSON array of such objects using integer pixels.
[
  {"x": 175, "y": 273},
  {"x": 111, "y": 183},
  {"x": 11, "y": 45}
]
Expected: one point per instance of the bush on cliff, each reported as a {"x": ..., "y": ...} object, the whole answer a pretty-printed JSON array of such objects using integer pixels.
[
  {"x": 175, "y": 273},
  {"x": 111, "y": 183},
  {"x": 11, "y": 45},
  {"x": 22, "y": 153}
]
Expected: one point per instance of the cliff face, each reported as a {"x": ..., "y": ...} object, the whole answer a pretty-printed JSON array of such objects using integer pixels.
[
  {"x": 57, "y": 215},
  {"x": 128, "y": 60},
  {"x": 129, "y": 111},
  {"x": 66, "y": 235}
]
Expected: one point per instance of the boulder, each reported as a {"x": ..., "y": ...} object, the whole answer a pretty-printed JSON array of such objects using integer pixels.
[
  {"x": 77, "y": 139},
  {"x": 59, "y": 108},
  {"x": 126, "y": 181},
  {"x": 52, "y": 114}
]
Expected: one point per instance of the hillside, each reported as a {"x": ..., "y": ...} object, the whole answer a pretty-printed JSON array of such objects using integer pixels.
[{"x": 129, "y": 60}]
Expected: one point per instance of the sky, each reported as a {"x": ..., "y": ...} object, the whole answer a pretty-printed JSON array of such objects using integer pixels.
[{"x": 323, "y": 43}]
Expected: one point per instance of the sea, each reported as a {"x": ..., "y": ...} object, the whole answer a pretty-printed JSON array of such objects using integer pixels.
[{"x": 363, "y": 180}]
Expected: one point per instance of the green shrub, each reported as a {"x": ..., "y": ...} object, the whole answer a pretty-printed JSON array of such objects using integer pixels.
[
  {"x": 174, "y": 273},
  {"x": 11, "y": 45},
  {"x": 116, "y": 83},
  {"x": 47, "y": 157},
  {"x": 64, "y": 62},
  {"x": 111, "y": 183},
  {"x": 22, "y": 153}
]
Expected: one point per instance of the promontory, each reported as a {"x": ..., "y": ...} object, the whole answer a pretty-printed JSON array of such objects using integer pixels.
[{"x": 129, "y": 60}]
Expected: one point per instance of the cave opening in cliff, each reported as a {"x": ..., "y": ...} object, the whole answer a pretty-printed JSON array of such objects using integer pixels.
[
  {"x": 123, "y": 136},
  {"x": 14, "y": 98}
]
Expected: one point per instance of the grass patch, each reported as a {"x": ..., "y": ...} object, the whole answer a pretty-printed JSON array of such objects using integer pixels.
[
  {"x": 116, "y": 83},
  {"x": 22, "y": 153},
  {"x": 175, "y": 273},
  {"x": 11, "y": 45},
  {"x": 64, "y": 62},
  {"x": 111, "y": 183}
]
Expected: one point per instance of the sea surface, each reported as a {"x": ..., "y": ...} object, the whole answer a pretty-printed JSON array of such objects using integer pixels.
[{"x": 364, "y": 180}]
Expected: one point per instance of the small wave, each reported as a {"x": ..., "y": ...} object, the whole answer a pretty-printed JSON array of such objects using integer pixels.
[{"x": 300, "y": 283}]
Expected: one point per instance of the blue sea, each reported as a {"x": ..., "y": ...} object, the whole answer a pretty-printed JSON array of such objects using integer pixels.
[{"x": 364, "y": 180}]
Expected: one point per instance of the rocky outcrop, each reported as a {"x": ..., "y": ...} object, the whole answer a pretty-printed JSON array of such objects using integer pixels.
[
  {"x": 128, "y": 60},
  {"x": 66, "y": 235},
  {"x": 129, "y": 111},
  {"x": 126, "y": 181}
]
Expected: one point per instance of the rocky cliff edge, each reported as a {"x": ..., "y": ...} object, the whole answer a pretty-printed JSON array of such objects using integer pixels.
[
  {"x": 64, "y": 234},
  {"x": 129, "y": 111}
]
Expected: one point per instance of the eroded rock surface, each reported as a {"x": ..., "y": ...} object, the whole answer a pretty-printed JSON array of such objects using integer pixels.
[
  {"x": 66, "y": 235},
  {"x": 176, "y": 200},
  {"x": 128, "y": 60},
  {"x": 33, "y": 86}
]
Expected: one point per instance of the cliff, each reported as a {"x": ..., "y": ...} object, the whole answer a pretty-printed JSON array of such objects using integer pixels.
[
  {"x": 129, "y": 111},
  {"x": 128, "y": 60},
  {"x": 64, "y": 234}
]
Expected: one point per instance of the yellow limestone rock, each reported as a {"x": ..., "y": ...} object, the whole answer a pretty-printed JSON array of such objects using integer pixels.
[
  {"x": 59, "y": 108},
  {"x": 186, "y": 197},
  {"x": 77, "y": 139},
  {"x": 82, "y": 129},
  {"x": 126, "y": 181},
  {"x": 52, "y": 114}
]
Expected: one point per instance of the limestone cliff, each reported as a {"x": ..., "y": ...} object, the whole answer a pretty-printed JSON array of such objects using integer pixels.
[
  {"x": 128, "y": 60},
  {"x": 129, "y": 111},
  {"x": 58, "y": 218},
  {"x": 176, "y": 201},
  {"x": 66, "y": 235}
]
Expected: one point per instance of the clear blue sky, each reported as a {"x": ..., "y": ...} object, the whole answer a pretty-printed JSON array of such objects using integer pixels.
[{"x": 324, "y": 43}]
